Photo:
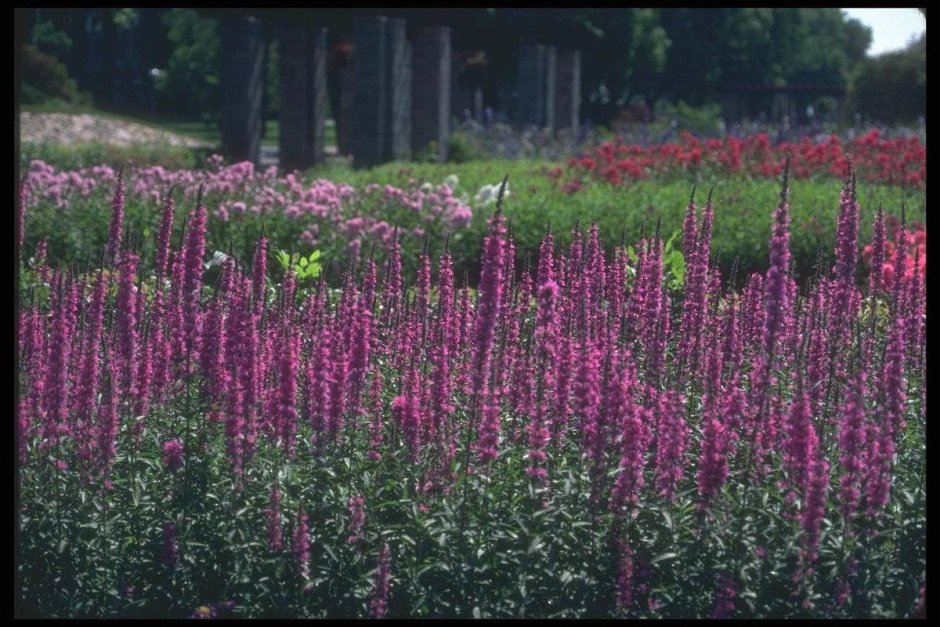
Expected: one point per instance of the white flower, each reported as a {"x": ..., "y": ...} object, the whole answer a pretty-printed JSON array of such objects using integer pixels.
[
  {"x": 490, "y": 193},
  {"x": 452, "y": 181}
]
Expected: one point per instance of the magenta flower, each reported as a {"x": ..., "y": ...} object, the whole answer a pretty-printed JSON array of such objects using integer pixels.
[
  {"x": 852, "y": 445},
  {"x": 170, "y": 545},
  {"x": 260, "y": 265},
  {"x": 625, "y": 568},
  {"x": 814, "y": 510},
  {"x": 875, "y": 276},
  {"x": 378, "y": 604},
  {"x": 801, "y": 445},
  {"x": 671, "y": 442},
  {"x": 116, "y": 227},
  {"x": 357, "y": 519},
  {"x": 163, "y": 236},
  {"x": 724, "y": 597},
  {"x": 776, "y": 302},
  {"x": 273, "y": 517},
  {"x": 300, "y": 543},
  {"x": 173, "y": 455}
]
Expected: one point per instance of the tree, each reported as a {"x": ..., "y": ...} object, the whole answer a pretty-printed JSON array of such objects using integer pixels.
[
  {"x": 892, "y": 87},
  {"x": 191, "y": 84}
]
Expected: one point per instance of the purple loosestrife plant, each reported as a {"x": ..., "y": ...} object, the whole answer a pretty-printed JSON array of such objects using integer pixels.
[
  {"x": 801, "y": 445},
  {"x": 163, "y": 237},
  {"x": 300, "y": 543},
  {"x": 173, "y": 455},
  {"x": 273, "y": 517},
  {"x": 489, "y": 303},
  {"x": 56, "y": 384},
  {"x": 635, "y": 437},
  {"x": 545, "y": 336},
  {"x": 170, "y": 545},
  {"x": 357, "y": 519},
  {"x": 852, "y": 445},
  {"x": 259, "y": 274},
  {"x": 671, "y": 442},
  {"x": 116, "y": 227},
  {"x": 287, "y": 385},
  {"x": 21, "y": 216},
  {"x": 876, "y": 274},
  {"x": 338, "y": 383},
  {"x": 107, "y": 426},
  {"x": 192, "y": 280},
  {"x": 725, "y": 595},
  {"x": 891, "y": 383},
  {"x": 378, "y": 603},
  {"x": 89, "y": 382},
  {"x": 375, "y": 412},
  {"x": 625, "y": 578},
  {"x": 814, "y": 510},
  {"x": 846, "y": 252},
  {"x": 776, "y": 301}
]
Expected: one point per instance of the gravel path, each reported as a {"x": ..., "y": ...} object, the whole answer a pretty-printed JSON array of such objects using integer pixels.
[{"x": 70, "y": 128}]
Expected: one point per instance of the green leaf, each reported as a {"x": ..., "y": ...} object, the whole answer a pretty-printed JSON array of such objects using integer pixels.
[
  {"x": 663, "y": 556},
  {"x": 535, "y": 545}
]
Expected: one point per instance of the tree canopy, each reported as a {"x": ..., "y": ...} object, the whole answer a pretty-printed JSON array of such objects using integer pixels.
[{"x": 680, "y": 54}]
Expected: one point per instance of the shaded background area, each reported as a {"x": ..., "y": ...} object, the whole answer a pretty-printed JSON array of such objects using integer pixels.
[{"x": 638, "y": 65}]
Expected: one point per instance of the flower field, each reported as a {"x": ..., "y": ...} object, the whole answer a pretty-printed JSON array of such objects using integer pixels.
[
  {"x": 585, "y": 435},
  {"x": 897, "y": 161}
]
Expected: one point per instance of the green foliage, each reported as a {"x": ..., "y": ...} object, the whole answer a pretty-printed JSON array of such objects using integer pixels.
[
  {"x": 305, "y": 268},
  {"x": 50, "y": 40},
  {"x": 192, "y": 75},
  {"x": 460, "y": 150},
  {"x": 82, "y": 155},
  {"x": 494, "y": 547},
  {"x": 743, "y": 207},
  {"x": 892, "y": 88},
  {"x": 702, "y": 120},
  {"x": 46, "y": 79},
  {"x": 673, "y": 264}
]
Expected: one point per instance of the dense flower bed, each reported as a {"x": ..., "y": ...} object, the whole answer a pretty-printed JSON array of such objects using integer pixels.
[
  {"x": 897, "y": 161},
  {"x": 584, "y": 439},
  {"x": 325, "y": 212}
]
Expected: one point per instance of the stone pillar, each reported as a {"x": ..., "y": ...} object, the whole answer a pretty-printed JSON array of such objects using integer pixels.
[
  {"x": 536, "y": 86},
  {"x": 478, "y": 104},
  {"x": 398, "y": 113},
  {"x": 303, "y": 94},
  {"x": 347, "y": 86},
  {"x": 294, "y": 140},
  {"x": 730, "y": 108},
  {"x": 461, "y": 97},
  {"x": 780, "y": 106},
  {"x": 380, "y": 124},
  {"x": 568, "y": 91},
  {"x": 370, "y": 92},
  {"x": 242, "y": 86},
  {"x": 551, "y": 60},
  {"x": 319, "y": 97},
  {"x": 430, "y": 94}
]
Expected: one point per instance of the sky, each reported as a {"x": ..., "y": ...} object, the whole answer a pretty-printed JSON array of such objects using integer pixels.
[{"x": 892, "y": 29}]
